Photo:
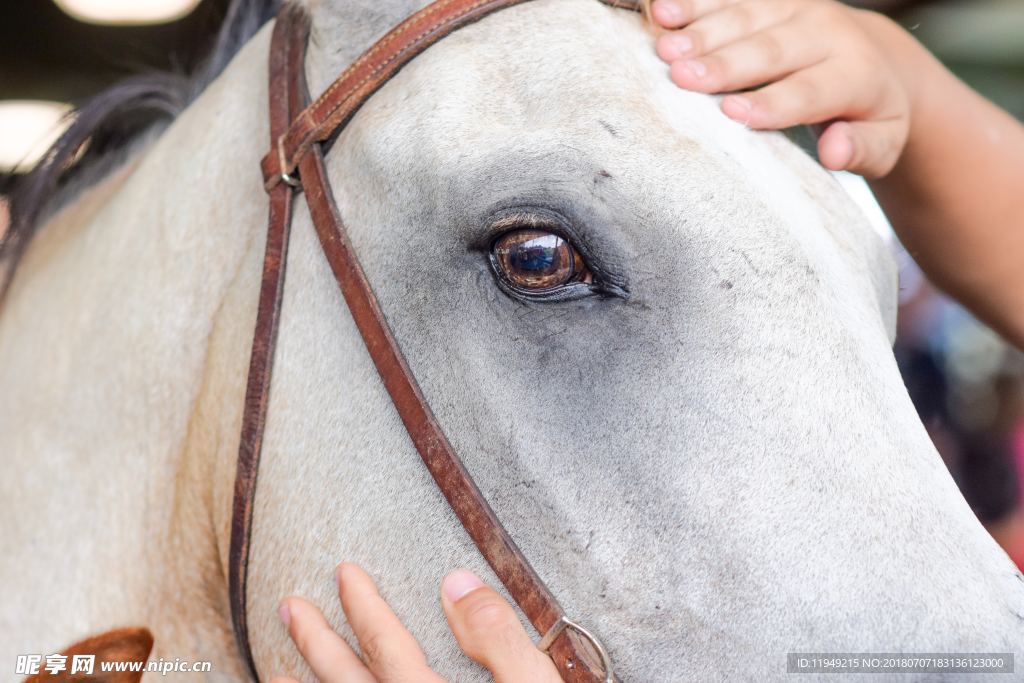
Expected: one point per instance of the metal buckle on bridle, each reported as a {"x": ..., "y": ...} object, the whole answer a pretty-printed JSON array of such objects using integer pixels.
[
  {"x": 286, "y": 178},
  {"x": 565, "y": 622}
]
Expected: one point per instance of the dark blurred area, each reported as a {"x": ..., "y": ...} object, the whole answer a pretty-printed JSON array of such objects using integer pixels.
[
  {"x": 967, "y": 384},
  {"x": 968, "y": 387},
  {"x": 46, "y": 54}
]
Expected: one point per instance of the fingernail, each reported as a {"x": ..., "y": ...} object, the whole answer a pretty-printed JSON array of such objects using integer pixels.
[
  {"x": 738, "y": 102},
  {"x": 284, "y": 613},
  {"x": 338, "y": 571},
  {"x": 695, "y": 67},
  {"x": 669, "y": 11},
  {"x": 681, "y": 42},
  {"x": 459, "y": 583},
  {"x": 738, "y": 108}
]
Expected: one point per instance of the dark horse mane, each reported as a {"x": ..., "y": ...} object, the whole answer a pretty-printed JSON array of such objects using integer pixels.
[{"x": 107, "y": 125}]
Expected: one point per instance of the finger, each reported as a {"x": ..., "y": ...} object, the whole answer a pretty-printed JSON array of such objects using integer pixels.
[
  {"x": 389, "y": 650},
  {"x": 490, "y": 633},
  {"x": 720, "y": 28},
  {"x": 283, "y": 679},
  {"x": 870, "y": 148},
  {"x": 676, "y": 13},
  {"x": 808, "y": 96},
  {"x": 760, "y": 58},
  {"x": 327, "y": 653},
  {"x": 835, "y": 146}
]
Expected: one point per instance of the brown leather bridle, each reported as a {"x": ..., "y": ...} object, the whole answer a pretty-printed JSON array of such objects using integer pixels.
[{"x": 296, "y": 162}]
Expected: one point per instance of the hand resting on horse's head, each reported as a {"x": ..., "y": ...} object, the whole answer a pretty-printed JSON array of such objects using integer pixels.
[
  {"x": 485, "y": 626},
  {"x": 817, "y": 62},
  {"x": 888, "y": 110}
]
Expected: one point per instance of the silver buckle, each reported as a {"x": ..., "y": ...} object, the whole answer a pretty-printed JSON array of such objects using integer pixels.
[
  {"x": 565, "y": 622},
  {"x": 285, "y": 177}
]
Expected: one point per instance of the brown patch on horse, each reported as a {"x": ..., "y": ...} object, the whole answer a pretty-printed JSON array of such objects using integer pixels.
[{"x": 119, "y": 645}]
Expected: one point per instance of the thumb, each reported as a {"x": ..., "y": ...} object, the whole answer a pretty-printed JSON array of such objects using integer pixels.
[
  {"x": 490, "y": 633},
  {"x": 870, "y": 148}
]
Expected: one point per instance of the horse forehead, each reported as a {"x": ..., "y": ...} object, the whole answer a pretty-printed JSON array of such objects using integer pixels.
[
  {"x": 547, "y": 59},
  {"x": 589, "y": 74},
  {"x": 560, "y": 66},
  {"x": 573, "y": 75}
]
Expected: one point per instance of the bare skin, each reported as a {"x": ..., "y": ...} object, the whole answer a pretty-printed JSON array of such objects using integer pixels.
[
  {"x": 946, "y": 164},
  {"x": 485, "y": 626}
]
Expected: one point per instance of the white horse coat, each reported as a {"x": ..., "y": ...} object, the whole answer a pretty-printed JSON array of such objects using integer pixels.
[{"x": 719, "y": 468}]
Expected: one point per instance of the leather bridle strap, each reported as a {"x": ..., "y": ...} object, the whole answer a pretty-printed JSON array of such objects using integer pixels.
[
  {"x": 332, "y": 110},
  {"x": 287, "y": 97},
  {"x": 349, "y": 91},
  {"x": 295, "y": 139}
]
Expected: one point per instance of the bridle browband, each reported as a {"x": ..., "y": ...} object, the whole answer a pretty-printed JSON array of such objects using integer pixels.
[{"x": 296, "y": 162}]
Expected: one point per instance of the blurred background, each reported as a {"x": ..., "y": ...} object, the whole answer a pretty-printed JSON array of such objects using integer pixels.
[{"x": 967, "y": 384}]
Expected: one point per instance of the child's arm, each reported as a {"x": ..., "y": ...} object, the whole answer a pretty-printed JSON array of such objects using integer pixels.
[
  {"x": 956, "y": 195},
  {"x": 947, "y": 165}
]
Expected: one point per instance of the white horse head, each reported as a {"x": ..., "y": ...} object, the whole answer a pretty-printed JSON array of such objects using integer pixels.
[{"x": 708, "y": 454}]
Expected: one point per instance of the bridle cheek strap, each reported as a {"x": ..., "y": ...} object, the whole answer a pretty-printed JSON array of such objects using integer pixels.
[
  {"x": 295, "y": 139},
  {"x": 287, "y": 96}
]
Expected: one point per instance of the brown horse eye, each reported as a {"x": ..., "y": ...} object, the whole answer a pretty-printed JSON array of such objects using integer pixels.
[{"x": 537, "y": 260}]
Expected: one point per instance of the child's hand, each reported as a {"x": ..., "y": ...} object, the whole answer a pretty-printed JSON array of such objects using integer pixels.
[
  {"x": 821, "y": 61},
  {"x": 485, "y": 626}
]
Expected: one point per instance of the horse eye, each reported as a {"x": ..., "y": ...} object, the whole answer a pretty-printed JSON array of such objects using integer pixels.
[{"x": 537, "y": 260}]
